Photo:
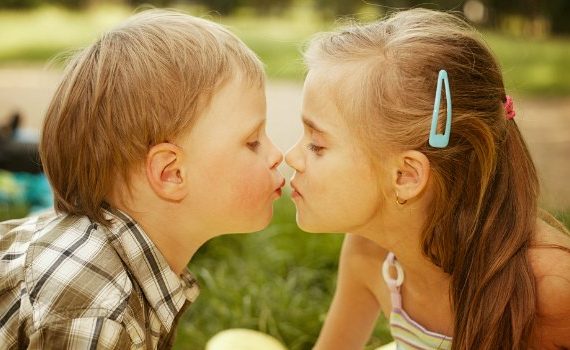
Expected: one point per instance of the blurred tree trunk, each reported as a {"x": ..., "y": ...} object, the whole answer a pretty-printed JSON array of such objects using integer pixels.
[{"x": 558, "y": 13}]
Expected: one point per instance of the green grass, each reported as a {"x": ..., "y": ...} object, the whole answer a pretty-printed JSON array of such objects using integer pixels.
[
  {"x": 279, "y": 281},
  {"x": 12, "y": 211},
  {"x": 531, "y": 66},
  {"x": 564, "y": 217}
]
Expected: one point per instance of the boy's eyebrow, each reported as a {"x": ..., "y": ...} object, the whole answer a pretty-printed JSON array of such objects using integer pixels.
[
  {"x": 258, "y": 125},
  {"x": 311, "y": 124}
]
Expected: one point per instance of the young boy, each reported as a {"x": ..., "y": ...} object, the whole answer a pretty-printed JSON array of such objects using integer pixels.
[{"x": 153, "y": 143}]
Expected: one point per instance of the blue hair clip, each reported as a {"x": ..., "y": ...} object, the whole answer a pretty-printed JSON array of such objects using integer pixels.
[{"x": 440, "y": 140}]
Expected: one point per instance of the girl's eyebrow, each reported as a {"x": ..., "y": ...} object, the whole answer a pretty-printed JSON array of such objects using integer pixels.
[{"x": 311, "y": 124}]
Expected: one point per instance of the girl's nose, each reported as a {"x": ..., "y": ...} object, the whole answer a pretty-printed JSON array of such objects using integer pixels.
[{"x": 294, "y": 158}]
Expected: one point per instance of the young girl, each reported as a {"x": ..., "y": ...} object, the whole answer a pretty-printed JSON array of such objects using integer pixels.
[{"x": 411, "y": 145}]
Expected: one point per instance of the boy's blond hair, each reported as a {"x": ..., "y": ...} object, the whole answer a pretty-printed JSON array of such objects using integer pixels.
[{"x": 140, "y": 84}]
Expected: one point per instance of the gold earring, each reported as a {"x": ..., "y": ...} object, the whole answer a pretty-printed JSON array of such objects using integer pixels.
[{"x": 398, "y": 200}]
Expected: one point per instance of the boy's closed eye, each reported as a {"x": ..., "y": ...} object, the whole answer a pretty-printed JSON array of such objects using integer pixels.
[
  {"x": 256, "y": 140},
  {"x": 254, "y": 145},
  {"x": 253, "y": 140}
]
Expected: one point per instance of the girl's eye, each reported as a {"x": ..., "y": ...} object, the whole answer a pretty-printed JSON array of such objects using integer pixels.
[
  {"x": 314, "y": 148},
  {"x": 253, "y": 145}
]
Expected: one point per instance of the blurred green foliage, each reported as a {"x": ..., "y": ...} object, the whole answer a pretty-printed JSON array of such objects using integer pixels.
[
  {"x": 533, "y": 66},
  {"x": 12, "y": 211},
  {"x": 536, "y": 66},
  {"x": 555, "y": 12},
  {"x": 279, "y": 281}
]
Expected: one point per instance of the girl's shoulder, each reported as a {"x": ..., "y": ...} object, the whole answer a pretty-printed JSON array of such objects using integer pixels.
[
  {"x": 550, "y": 262},
  {"x": 549, "y": 253},
  {"x": 362, "y": 256},
  {"x": 362, "y": 259}
]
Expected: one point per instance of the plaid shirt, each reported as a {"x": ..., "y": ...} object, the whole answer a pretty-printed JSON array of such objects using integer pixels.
[{"x": 69, "y": 283}]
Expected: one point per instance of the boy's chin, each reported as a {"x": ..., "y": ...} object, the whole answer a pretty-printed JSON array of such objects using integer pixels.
[
  {"x": 259, "y": 223},
  {"x": 262, "y": 226}
]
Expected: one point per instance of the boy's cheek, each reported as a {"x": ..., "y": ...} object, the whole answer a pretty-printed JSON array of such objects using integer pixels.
[
  {"x": 253, "y": 187},
  {"x": 240, "y": 183}
]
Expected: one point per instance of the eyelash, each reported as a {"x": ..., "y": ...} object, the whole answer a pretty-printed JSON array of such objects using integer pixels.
[
  {"x": 253, "y": 145},
  {"x": 314, "y": 148}
]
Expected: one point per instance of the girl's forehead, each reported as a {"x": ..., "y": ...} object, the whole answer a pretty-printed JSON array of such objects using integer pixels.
[
  {"x": 326, "y": 76},
  {"x": 323, "y": 98}
]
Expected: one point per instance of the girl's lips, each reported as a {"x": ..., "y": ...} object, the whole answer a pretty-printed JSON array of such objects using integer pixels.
[{"x": 295, "y": 193}]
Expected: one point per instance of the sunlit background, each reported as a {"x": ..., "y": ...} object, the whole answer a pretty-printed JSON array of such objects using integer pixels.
[{"x": 280, "y": 281}]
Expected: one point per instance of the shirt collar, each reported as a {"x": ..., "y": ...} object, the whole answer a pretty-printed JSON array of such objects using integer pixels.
[{"x": 163, "y": 288}]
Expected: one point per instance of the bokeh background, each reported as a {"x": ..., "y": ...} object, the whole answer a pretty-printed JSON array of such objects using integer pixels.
[{"x": 280, "y": 281}]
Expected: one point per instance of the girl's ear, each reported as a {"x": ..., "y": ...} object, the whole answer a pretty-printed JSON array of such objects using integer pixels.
[
  {"x": 166, "y": 173},
  {"x": 412, "y": 175}
]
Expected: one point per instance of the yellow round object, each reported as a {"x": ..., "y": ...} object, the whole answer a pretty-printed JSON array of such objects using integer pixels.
[
  {"x": 390, "y": 346},
  {"x": 243, "y": 339}
]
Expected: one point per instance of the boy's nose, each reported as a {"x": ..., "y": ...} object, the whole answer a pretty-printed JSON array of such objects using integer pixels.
[{"x": 276, "y": 157}]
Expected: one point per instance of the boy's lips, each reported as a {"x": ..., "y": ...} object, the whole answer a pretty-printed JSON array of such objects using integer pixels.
[{"x": 278, "y": 189}]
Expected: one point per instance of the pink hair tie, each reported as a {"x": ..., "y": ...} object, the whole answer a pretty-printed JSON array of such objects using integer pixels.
[{"x": 509, "y": 108}]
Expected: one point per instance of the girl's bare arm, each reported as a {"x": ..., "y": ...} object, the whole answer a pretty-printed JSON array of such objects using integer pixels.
[{"x": 355, "y": 305}]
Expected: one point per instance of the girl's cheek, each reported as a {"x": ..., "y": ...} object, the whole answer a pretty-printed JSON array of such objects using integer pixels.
[{"x": 322, "y": 177}]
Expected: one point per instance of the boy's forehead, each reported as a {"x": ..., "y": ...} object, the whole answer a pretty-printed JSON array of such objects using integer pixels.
[
  {"x": 236, "y": 105},
  {"x": 240, "y": 88}
]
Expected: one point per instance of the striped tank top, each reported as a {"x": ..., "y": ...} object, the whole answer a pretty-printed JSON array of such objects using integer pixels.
[{"x": 407, "y": 333}]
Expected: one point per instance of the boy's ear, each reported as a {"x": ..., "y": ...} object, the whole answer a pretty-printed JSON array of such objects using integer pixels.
[
  {"x": 166, "y": 172},
  {"x": 412, "y": 175}
]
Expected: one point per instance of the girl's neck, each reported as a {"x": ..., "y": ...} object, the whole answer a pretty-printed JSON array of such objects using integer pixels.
[
  {"x": 421, "y": 275},
  {"x": 401, "y": 235}
]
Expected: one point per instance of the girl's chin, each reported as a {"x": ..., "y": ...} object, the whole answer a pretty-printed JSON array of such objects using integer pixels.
[
  {"x": 307, "y": 226},
  {"x": 318, "y": 226}
]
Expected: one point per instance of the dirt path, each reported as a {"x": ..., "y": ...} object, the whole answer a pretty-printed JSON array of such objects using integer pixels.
[{"x": 544, "y": 122}]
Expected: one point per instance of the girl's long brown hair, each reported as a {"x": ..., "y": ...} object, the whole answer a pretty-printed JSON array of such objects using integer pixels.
[{"x": 484, "y": 209}]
